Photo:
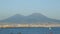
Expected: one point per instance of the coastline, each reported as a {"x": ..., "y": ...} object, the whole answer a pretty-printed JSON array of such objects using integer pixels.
[{"x": 28, "y": 25}]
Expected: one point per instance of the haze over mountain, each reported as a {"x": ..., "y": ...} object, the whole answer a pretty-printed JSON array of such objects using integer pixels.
[{"x": 33, "y": 18}]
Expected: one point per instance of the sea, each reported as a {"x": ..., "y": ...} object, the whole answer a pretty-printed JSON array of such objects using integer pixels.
[{"x": 30, "y": 30}]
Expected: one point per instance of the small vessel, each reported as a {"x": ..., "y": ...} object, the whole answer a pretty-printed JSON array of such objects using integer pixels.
[{"x": 50, "y": 28}]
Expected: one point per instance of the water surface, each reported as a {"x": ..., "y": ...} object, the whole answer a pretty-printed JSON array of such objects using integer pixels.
[{"x": 41, "y": 30}]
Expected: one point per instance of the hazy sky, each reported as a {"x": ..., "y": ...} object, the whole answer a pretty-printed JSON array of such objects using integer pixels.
[{"x": 50, "y": 8}]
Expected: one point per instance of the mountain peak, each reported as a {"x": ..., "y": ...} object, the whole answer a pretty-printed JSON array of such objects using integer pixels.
[
  {"x": 37, "y": 15},
  {"x": 17, "y": 15}
]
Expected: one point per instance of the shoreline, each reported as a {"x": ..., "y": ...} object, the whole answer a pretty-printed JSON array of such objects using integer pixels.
[{"x": 28, "y": 25}]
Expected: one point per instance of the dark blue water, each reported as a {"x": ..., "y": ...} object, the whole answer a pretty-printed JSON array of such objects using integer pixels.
[{"x": 55, "y": 30}]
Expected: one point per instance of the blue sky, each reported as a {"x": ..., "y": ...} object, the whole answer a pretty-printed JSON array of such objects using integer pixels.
[{"x": 49, "y": 8}]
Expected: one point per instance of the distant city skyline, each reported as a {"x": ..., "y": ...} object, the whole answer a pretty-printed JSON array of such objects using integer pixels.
[{"x": 49, "y": 8}]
